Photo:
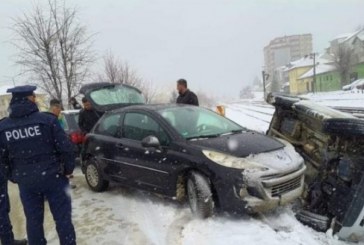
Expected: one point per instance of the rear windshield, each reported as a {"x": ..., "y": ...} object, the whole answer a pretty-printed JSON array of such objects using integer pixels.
[
  {"x": 117, "y": 94},
  {"x": 70, "y": 121}
]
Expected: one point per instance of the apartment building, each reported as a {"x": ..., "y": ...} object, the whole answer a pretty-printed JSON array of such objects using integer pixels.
[{"x": 282, "y": 50}]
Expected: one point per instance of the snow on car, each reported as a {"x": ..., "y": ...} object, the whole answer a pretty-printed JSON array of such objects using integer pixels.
[{"x": 357, "y": 84}]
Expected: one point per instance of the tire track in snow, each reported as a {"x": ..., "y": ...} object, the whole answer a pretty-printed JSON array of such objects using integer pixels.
[
  {"x": 254, "y": 114},
  {"x": 94, "y": 218},
  {"x": 175, "y": 230}
]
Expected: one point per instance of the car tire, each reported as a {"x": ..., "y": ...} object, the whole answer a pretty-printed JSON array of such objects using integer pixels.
[
  {"x": 344, "y": 126},
  {"x": 200, "y": 195},
  {"x": 94, "y": 177}
]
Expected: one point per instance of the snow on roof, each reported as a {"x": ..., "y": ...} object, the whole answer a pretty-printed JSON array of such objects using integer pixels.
[
  {"x": 343, "y": 35},
  {"x": 347, "y": 36},
  {"x": 320, "y": 69},
  {"x": 308, "y": 61},
  {"x": 361, "y": 35},
  {"x": 70, "y": 111},
  {"x": 303, "y": 62}
]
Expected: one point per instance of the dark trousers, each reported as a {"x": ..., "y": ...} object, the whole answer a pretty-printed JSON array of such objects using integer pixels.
[
  {"x": 6, "y": 230},
  {"x": 54, "y": 189}
]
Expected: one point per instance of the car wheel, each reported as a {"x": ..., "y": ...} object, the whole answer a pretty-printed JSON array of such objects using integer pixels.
[
  {"x": 344, "y": 126},
  {"x": 200, "y": 195},
  {"x": 94, "y": 178}
]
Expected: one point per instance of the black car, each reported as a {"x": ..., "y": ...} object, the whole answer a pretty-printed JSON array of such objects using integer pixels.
[
  {"x": 186, "y": 151},
  {"x": 70, "y": 126}
]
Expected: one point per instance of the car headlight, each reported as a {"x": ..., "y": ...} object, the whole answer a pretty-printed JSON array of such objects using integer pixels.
[{"x": 232, "y": 162}]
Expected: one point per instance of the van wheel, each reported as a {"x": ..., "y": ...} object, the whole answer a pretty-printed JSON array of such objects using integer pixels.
[
  {"x": 200, "y": 195},
  {"x": 94, "y": 177}
]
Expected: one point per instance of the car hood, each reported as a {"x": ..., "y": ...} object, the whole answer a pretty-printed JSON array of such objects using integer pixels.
[{"x": 240, "y": 145}]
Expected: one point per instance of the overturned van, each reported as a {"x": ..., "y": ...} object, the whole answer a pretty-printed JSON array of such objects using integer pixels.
[{"x": 332, "y": 144}]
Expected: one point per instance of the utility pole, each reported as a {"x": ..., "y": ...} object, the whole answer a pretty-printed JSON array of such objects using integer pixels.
[
  {"x": 313, "y": 55},
  {"x": 265, "y": 77}
]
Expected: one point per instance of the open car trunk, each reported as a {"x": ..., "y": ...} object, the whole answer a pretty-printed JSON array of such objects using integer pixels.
[{"x": 109, "y": 96}]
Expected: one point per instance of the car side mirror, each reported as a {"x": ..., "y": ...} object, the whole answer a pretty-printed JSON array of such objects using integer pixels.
[{"x": 151, "y": 141}]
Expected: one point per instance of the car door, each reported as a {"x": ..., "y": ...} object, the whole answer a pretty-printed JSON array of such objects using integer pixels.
[
  {"x": 107, "y": 146},
  {"x": 147, "y": 168}
]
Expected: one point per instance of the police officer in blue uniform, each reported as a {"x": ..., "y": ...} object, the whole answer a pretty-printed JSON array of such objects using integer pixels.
[
  {"x": 6, "y": 230},
  {"x": 33, "y": 145}
]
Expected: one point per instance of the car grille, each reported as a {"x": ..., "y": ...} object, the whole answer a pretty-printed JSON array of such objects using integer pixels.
[{"x": 282, "y": 188}]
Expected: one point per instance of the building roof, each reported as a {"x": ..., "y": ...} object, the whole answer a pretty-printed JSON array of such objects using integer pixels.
[
  {"x": 320, "y": 69},
  {"x": 360, "y": 36},
  {"x": 307, "y": 61},
  {"x": 350, "y": 36}
]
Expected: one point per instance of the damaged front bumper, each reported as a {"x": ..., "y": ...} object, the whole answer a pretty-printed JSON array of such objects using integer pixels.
[{"x": 261, "y": 193}]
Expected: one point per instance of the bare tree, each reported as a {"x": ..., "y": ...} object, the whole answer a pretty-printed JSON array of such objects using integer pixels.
[
  {"x": 117, "y": 71},
  {"x": 174, "y": 97},
  {"x": 149, "y": 91},
  {"x": 344, "y": 59},
  {"x": 54, "y": 48}
]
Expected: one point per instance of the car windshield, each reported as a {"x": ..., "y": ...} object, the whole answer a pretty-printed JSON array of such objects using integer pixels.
[
  {"x": 196, "y": 122},
  {"x": 117, "y": 94}
]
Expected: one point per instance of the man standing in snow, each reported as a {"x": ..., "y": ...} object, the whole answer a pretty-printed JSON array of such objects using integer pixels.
[
  {"x": 33, "y": 145},
  {"x": 88, "y": 117},
  {"x": 186, "y": 96},
  {"x": 55, "y": 107},
  {"x": 6, "y": 230}
]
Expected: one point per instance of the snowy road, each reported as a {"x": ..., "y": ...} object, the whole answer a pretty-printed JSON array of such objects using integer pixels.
[{"x": 122, "y": 216}]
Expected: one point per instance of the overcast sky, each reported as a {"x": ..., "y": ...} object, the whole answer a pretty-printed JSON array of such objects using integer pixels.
[{"x": 216, "y": 45}]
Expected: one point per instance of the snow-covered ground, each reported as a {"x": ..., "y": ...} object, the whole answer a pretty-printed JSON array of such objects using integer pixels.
[{"x": 124, "y": 216}]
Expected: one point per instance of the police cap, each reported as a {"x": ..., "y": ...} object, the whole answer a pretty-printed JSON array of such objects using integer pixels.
[{"x": 22, "y": 91}]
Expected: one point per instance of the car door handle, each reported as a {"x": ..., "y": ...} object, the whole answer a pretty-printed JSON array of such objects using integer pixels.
[{"x": 120, "y": 146}]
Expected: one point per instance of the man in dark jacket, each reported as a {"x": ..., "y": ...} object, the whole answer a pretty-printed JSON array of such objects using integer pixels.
[
  {"x": 33, "y": 145},
  {"x": 88, "y": 117},
  {"x": 186, "y": 96}
]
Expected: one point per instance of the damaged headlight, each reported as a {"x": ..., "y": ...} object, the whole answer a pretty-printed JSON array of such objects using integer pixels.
[{"x": 232, "y": 162}]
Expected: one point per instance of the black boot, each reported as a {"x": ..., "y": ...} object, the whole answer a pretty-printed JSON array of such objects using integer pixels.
[{"x": 20, "y": 242}]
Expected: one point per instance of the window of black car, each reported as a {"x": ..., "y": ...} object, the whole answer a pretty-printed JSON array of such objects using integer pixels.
[
  {"x": 70, "y": 121},
  {"x": 193, "y": 122},
  {"x": 109, "y": 125},
  {"x": 137, "y": 126},
  {"x": 117, "y": 94}
]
